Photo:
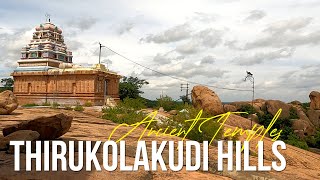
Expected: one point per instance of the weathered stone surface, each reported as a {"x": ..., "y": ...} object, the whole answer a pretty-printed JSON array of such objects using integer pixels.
[
  {"x": 206, "y": 99},
  {"x": 229, "y": 108},
  {"x": 3, "y": 144},
  {"x": 8, "y": 102},
  {"x": 301, "y": 164},
  {"x": 314, "y": 117},
  {"x": 303, "y": 128},
  {"x": 273, "y": 106},
  {"x": 314, "y": 100},
  {"x": 22, "y": 135},
  {"x": 254, "y": 118},
  {"x": 239, "y": 104},
  {"x": 296, "y": 103},
  {"x": 161, "y": 109},
  {"x": 50, "y": 127}
]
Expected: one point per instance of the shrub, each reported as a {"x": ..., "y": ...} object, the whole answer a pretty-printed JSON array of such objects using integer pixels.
[
  {"x": 306, "y": 105},
  {"x": 314, "y": 141},
  {"x": 208, "y": 129},
  {"x": 293, "y": 114},
  {"x": 46, "y": 104},
  {"x": 247, "y": 108},
  {"x": 55, "y": 105},
  {"x": 78, "y": 107},
  {"x": 68, "y": 107},
  {"x": 30, "y": 105},
  {"x": 295, "y": 141},
  {"x": 166, "y": 102},
  {"x": 135, "y": 104},
  {"x": 88, "y": 104}
]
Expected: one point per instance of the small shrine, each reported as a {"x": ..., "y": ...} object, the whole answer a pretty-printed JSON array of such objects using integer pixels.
[{"x": 46, "y": 73}]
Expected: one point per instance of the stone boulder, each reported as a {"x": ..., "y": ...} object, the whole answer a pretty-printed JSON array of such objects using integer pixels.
[
  {"x": 240, "y": 104},
  {"x": 314, "y": 100},
  {"x": 22, "y": 135},
  {"x": 272, "y": 107},
  {"x": 314, "y": 117},
  {"x": 229, "y": 108},
  {"x": 161, "y": 109},
  {"x": 254, "y": 118},
  {"x": 206, "y": 99},
  {"x": 303, "y": 128},
  {"x": 298, "y": 103},
  {"x": 173, "y": 112},
  {"x": 50, "y": 127},
  {"x": 8, "y": 102}
]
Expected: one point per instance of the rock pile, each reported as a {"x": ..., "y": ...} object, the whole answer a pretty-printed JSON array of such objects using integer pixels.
[{"x": 40, "y": 128}]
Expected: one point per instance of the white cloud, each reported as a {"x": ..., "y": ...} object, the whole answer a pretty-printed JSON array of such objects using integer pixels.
[
  {"x": 196, "y": 41},
  {"x": 173, "y": 34},
  {"x": 256, "y": 15},
  {"x": 261, "y": 57}
]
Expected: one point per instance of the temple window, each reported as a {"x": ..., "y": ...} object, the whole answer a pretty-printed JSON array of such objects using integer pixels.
[
  {"x": 33, "y": 55},
  {"x": 23, "y": 55}
]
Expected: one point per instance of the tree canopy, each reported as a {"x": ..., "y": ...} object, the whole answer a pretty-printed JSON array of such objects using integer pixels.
[
  {"x": 7, "y": 82},
  {"x": 129, "y": 87}
]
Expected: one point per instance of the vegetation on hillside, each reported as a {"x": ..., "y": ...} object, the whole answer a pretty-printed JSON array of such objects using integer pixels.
[{"x": 129, "y": 111}]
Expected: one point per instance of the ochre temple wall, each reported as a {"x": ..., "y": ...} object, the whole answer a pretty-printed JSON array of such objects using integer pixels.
[{"x": 65, "y": 88}]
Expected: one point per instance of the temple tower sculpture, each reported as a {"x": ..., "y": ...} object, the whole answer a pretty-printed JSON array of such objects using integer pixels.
[{"x": 46, "y": 73}]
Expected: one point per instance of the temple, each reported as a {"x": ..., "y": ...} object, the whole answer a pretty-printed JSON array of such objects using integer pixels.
[{"x": 46, "y": 73}]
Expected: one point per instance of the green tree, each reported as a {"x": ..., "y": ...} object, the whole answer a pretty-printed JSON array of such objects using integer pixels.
[
  {"x": 129, "y": 87},
  {"x": 7, "y": 82}
]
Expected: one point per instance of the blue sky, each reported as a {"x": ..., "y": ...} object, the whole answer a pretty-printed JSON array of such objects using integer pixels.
[{"x": 211, "y": 42}]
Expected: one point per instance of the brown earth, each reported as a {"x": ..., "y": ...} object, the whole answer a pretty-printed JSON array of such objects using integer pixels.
[{"x": 301, "y": 164}]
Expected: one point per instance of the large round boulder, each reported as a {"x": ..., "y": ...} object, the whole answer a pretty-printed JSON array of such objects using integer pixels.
[
  {"x": 303, "y": 128},
  {"x": 49, "y": 127},
  {"x": 8, "y": 102},
  {"x": 206, "y": 99},
  {"x": 273, "y": 107},
  {"x": 314, "y": 117},
  {"x": 314, "y": 100}
]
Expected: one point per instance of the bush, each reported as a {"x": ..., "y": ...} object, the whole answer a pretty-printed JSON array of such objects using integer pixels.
[
  {"x": 208, "y": 129},
  {"x": 314, "y": 141},
  {"x": 46, "y": 104},
  {"x": 247, "y": 108},
  {"x": 166, "y": 102},
  {"x": 306, "y": 105},
  {"x": 78, "y": 107},
  {"x": 293, "y": 114},
  {"x": 6, "y": 88},
  {"x": 123, "y": 113},
  {"x": 30, "y": 105},
  {"x": 295, "y": 141},
  {"x": 126, "y": 111},
  {"x": 88, "y": 104},
  {"x": 55, "y": 105},
  {"x": 68, "y": 107},
  {"x": 136, "y": 104}
]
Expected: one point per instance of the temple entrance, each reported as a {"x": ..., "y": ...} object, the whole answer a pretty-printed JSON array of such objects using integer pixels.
[
  {"x": 106, "y": 88},
  {"x": 29, "y": 88}
]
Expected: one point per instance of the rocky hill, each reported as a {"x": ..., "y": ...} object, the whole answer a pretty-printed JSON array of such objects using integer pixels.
[{"x": 301, "y": 164}]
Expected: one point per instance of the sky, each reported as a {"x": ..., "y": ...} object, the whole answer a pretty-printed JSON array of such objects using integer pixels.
[{"x": 211, "y": 42}]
